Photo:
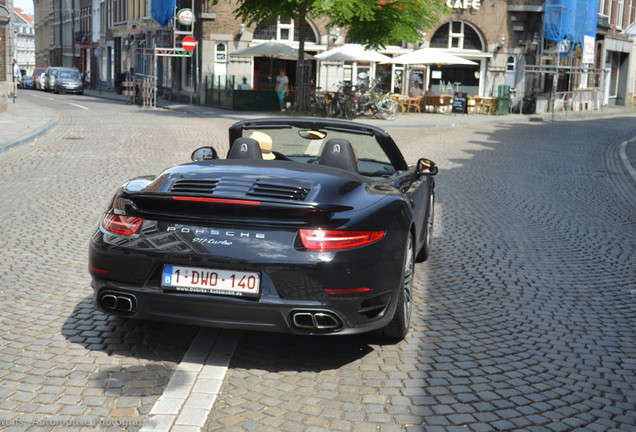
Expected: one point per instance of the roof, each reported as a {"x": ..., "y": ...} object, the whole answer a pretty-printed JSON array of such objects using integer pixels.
[{"x": 25, "y": 16}]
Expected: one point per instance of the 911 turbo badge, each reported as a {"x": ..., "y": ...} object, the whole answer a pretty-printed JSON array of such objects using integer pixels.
[{"x": 322, "y": 239}]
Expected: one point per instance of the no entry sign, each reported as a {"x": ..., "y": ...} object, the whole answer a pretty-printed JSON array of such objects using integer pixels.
[{"x": 189, "y": 43}]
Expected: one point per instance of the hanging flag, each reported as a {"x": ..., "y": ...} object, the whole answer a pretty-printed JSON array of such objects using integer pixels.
[{"x": 163, "y": 10}]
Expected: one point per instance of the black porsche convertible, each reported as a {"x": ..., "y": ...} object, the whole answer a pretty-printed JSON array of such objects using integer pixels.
[{"x": 308, "y": 226}]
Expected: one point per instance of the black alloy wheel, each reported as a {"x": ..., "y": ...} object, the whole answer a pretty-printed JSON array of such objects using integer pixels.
[{"x": 400, "y": 324}]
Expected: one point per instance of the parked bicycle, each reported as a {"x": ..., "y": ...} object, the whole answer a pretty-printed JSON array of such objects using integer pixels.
[
  {"x": 318, "y": 103},
  {"x": 343, "y": 103}
]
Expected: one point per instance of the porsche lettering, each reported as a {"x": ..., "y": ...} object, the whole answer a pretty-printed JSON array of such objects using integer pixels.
[{"x": 214, "y": 232}]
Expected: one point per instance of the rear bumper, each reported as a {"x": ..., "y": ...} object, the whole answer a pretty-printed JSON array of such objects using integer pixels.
[
  {"x": 301, "y": 291},
  {"x": 269, "y": 313}
]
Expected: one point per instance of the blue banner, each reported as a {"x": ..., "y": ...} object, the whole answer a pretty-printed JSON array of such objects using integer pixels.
[
  {"x": 163, "y": 10},
  {"x": 570, "y": 20}
]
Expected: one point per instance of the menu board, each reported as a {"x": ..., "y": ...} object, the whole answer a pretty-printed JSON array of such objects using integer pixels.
[{"x": 460, "y": 103}]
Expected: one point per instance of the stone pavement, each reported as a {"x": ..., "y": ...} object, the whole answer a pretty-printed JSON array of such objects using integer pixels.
[
  {"x": 527, "y": 328},
  {"x": 24, "y": 122}
]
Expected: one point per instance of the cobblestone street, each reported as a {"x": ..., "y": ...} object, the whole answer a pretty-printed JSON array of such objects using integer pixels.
[{"x": 524, "y": 317}]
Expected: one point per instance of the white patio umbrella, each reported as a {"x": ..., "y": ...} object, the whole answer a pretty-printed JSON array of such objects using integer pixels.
[
  {"x": 271, "y": 49},
  {"x": 426, "y": 56},
  {"x": 352, "y": 52}
]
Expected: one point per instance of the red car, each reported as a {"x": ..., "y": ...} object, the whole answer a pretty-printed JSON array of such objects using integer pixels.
[{"x": 38, "y": 75}]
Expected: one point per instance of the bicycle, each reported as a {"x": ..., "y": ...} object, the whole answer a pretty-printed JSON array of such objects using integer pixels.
[
  {"x": 318, "y": 103},
  {"x": 343, "y": 103}
]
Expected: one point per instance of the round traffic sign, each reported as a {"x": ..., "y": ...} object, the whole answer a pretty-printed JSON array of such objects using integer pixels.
[{"x": 189, "y": 43}]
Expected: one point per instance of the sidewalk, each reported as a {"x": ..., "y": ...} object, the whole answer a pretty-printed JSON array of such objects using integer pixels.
[{"x": 24, "y": 122}]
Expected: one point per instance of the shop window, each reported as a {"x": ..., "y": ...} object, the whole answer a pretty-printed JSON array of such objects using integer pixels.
[
  {"x": 457, "y": 35},
  {"x": 285, "y": 30}
]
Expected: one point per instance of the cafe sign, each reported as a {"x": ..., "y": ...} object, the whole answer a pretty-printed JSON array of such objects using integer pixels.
[
  {"x": 463, "y": 4},
  {"x": 185, "y": 17}
]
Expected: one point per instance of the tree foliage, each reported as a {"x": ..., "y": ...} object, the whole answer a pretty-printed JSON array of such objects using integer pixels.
[{"x": 374, "y": 23}]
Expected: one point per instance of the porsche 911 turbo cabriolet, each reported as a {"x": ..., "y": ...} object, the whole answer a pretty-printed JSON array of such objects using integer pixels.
[{"x": 308, "y": 226}]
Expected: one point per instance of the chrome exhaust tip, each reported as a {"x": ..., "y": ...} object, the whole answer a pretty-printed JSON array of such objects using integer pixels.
[
  {"x": 316, "y": 320},
  {"x": 118, "y": 302}
]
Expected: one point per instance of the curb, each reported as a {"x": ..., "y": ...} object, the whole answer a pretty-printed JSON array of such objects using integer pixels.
[
  {"x": 622, "y": 151},
  {"x": 30, "y": 137}
]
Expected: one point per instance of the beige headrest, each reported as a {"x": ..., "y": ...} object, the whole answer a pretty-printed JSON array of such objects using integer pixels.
[{"x": 265, "y": 142}]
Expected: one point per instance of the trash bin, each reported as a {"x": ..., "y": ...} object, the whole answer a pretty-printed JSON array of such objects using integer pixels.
[{"x": 503, "y": 100}]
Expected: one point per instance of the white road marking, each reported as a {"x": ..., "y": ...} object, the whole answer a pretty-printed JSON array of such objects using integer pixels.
[
  {"x": 79, "y": 106},
  {"x": 191, "y": 392}
]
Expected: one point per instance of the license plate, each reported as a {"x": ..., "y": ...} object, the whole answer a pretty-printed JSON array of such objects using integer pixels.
[{"x": 208, "y": 281}]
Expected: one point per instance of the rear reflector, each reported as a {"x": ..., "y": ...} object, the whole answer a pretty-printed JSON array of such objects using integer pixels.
[
  {"x": 329, "y": 240},
  {"x": 216, "y": 200},
  {"x": 348, "y": 290},
  {"x": 98, "y": 270},
  {"x": 122, "y": 225}
]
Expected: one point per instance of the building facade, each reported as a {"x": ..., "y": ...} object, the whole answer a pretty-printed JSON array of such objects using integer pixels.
[
  {"x": 108, "y": 39},
  {"x": 24, "y": 40},
  {"x": 6, "y": 43},
  {"x": 614, "y": 49}
]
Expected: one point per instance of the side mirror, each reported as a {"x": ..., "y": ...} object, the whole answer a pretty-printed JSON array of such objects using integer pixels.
[
  {"x": 204, "y": 154},
  {"x": 426, "y": 167}
]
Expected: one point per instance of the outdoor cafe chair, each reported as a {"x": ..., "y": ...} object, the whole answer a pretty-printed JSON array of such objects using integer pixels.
[
  {"x": 414, "y": 102},
  {"x": 446, "y": 102}
]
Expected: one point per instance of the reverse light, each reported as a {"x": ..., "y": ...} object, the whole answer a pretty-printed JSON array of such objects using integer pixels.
[
  {"x": 329, "y": 240},
  {"x": 122, "y": 225}
]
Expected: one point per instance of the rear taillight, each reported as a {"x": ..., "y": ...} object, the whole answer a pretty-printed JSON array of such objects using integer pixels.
[
  {"x": 329, "y": 240},
  {"x": 122, "y": 225}
]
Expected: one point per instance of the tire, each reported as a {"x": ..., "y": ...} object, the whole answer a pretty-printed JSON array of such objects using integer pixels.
[
  {"x": 333, "y": 109},
  {"x": 399, "y": 326},
  {"x": 350, "y": 109},
  {"x": 427, "y": 247}
]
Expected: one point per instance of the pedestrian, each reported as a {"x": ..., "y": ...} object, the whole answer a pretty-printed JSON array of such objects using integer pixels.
[
  {"x": 282, "y": 84},
  {"x": 16, "y": 78},
  {"x": 244, "y": 84}
]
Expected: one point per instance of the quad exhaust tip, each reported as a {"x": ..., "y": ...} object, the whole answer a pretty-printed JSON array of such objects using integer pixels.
[
  {"x": 117, "y": 302},
  {"x": 316, "y": 320}
]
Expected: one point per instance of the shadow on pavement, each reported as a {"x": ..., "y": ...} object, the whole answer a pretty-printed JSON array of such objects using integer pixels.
[{"x": 115, "y": 336}]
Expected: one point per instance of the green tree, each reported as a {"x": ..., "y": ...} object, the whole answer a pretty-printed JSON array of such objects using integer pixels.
[{"x": 374, "y": 23}]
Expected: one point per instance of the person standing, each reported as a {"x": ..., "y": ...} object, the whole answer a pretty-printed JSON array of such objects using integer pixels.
[
  {"x": 16, "y": 78},
  {"x": 282, "y": 84}
]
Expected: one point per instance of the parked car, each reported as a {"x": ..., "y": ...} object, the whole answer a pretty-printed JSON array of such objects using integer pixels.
[
  {"x": 309, "y": 226},
  {"x": 49, "y": 81},
  {"x": 68, "y": 80},
  {"x": 26, "y": 82},
  {"x": 38, "y": 78}
]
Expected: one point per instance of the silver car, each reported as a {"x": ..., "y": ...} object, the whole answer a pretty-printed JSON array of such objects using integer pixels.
[
  {"x": 68, "y": 80},
  {"x": 49, "y": 80}
]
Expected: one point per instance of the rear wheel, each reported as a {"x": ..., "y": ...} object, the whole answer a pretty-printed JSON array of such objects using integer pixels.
[
  {"x": 399, "y": 325},
  {"x": 350, "y": 109},
  {"x": 333, "y": 109}
]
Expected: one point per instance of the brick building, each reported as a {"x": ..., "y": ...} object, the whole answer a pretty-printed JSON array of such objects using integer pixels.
[{"x": 6, "y": 83}]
